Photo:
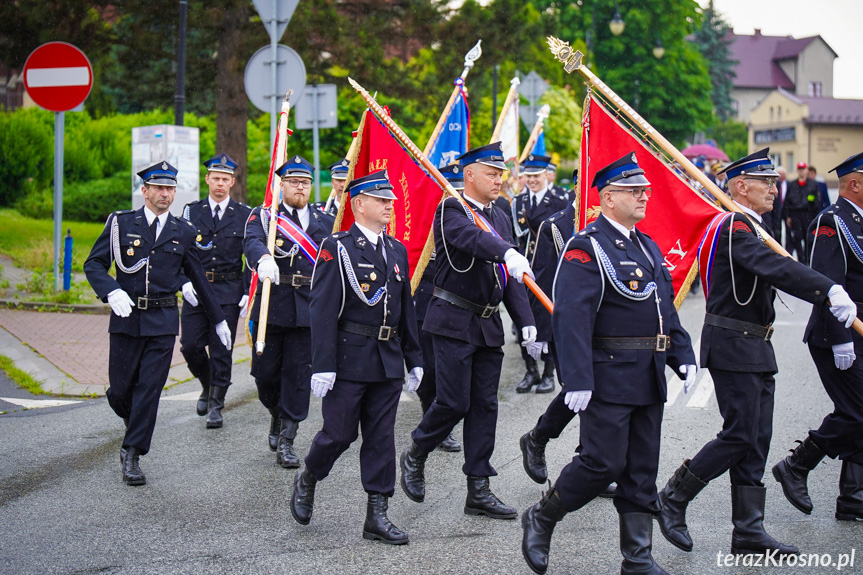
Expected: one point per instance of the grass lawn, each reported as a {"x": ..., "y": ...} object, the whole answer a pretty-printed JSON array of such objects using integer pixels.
[{"x": 31, "y": 242}]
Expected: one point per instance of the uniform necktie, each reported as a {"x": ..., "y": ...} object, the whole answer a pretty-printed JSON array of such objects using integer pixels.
[
  {"x": 532, "y": 202},
  {"x": 154, "y": 227},
  {"x": 295, "y": 218},
  {"x": 216, "y": 214},
  {"x": 634, "y": 239},
  {"x": 487, "y": 212},
  {"x": 379, "y": 248}
]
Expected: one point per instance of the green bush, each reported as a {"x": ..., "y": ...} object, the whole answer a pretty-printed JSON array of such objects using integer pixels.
[
  {"x": 26, "y": 152},
  {"x": 82, "y": 201}
]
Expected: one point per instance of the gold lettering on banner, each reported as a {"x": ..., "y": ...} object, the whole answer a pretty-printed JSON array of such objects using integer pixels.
[
  {"x": 593, "y": 213},
  {"x": 403, "y": 181},
  {"x": 378, "y": 164},
  {"x": 677, "y": 251}
]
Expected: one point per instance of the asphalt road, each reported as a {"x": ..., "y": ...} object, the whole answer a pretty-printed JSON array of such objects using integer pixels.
[{"x": 217, "y": 502}]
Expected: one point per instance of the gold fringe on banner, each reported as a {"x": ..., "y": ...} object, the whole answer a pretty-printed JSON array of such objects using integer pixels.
[
  {"x": 687, "y": 284},
  {"x": 354, "y": 153}
]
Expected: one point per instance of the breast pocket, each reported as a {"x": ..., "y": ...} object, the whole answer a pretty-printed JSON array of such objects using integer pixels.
[{"x": 176, "y": 249}]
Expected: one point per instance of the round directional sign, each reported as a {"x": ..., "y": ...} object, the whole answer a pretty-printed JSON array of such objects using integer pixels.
[
  {"x": 290, "y": 75},
  {"x": 58, "y": 76}
]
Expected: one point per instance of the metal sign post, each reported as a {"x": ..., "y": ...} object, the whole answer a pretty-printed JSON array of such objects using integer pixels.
[
  {"x": 317, "y": 109},
  {"x": 532, "y": 87}
]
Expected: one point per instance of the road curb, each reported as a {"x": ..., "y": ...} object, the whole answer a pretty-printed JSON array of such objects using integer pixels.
[{"x": 98, "y": 308}]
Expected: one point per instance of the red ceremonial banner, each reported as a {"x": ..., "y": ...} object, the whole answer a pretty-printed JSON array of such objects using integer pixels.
[
  {"x": 416, "y": 191},
  {"x": 677, "y": 216}
]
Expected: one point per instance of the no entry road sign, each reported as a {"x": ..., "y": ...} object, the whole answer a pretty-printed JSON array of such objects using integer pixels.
[{"x": 58, "y": 76}]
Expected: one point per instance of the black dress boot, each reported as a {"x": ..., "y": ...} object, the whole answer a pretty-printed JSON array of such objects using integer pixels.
[
  {"x": 792, "y": 472},
  {"x": 546, "y": 383},
  {"x": 285, "y": 455},
  {"x": 533, "y": 455},
  {"x": 132, "y": 473},
  {"x": 747, "y": 514},
  {"x": 215, "y": 406},
  {"x": 203, "y": 399},
  {"x": 275, "y": 428},
  {"x": 413, "y": 481},
  {"x": 673, "y": 500},
  {"x": 538, "y": 524},
  {"x": 636, "y": 541},
  {"x": 450, "y": 444},
  {"x": 531, "y": 377},
  {"x": 378, "y": 526},
  {"x": 481, "y": 501},
  {"x": 849, "y": 504},
  {"x": 303, "y": 497}
]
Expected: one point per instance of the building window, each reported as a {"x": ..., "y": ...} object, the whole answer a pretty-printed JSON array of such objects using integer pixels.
[
  {"x": 772, "y": 115},
  {"x": 815, "y": 89},
  {"x": 790, "y": 163},
  {"x": 779, "y": 111}
]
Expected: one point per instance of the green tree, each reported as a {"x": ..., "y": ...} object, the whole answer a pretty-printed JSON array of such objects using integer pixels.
[{"x": 713, "y": 42}]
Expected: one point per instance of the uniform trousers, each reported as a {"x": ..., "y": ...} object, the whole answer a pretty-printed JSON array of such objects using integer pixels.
[
  {"x": 746, "y": 404},
  {"x": 619, "y": 443},
  {"x": 467, "y": 383},
  {"x": 284, "y": 371},
  {"x": 841, "y": 433},
  {"x": 428, "y": 386},
  {"x": 198, "y": 333},
  {"x": 555, "y": 419},
  {"x": 137, "y": 372},
  {"x": 371, "y": 406},
  {"x": 797, "y": 233}
]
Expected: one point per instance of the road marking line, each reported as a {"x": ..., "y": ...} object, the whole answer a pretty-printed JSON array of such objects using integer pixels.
[
  {"x": 37, "y": 403},
  {"x": 702, "y": 393}
]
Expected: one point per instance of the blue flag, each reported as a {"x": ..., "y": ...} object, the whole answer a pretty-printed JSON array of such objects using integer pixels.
[
  {"x": 539, "y": 147},
  {"x": 454, "y": 137}
]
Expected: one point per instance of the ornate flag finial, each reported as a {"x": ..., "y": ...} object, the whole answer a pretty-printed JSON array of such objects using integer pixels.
[
  {"x": 563, "y": 51},
  {"x": 544, "y": 112}
]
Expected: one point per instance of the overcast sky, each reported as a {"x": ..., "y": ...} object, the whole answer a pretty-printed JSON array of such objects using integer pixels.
[{"x": 839, "y": 22}]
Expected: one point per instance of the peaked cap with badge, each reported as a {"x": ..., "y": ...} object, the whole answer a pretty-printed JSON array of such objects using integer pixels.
[
  {"x": 339, "y": 170},
  {"x": 755, "y": 165},
  {"x": 454, "y": 175},
  {"x": 296, "y": 167},
  {"x": 377, "y": 184},
  {"x": 850, "y": 165},
  {"x": 161, "y": 174},
  {"x": 221, "y": 163},
  {"x": 536, "y": 164},
  {"x": 489, "y": 155},
  {"x": 623, "y": 172}
]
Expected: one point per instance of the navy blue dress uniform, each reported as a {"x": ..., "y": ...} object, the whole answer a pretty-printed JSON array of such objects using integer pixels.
[
  {"x": 467, "y": 332},
  {"x": 735, "y": 346},
  {"x": 283, "y": 370},
  {"x": 801, "y": 204},
  {"x": 364, "y": 333},
  {"x": 627, "y": 332},
  {"x": 834, "y": 239},
  {"x": 219, "y": 242},
  {"x": 529, "y": 210},
  {"x": 422, "y": 298},
  {"x": 338, "y": 172},
  {"x": 558, "y": 191},
  {"x": 148, "y": 269}
]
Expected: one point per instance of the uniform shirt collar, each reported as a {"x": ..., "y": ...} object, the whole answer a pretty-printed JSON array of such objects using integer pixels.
[
  {"x": 538, "y": 195},
  {"x": 750, "y": 212},
  {"x": 223, "y": 205},
  {"x": 302, "y": 214},
  {"x": 370, "y": 235},
  {"x": 474, "y": 203},
  {"x": 620, "y": 227},
  {"x": 856, "y": 207},
  {"x": 151, "y": 216}
]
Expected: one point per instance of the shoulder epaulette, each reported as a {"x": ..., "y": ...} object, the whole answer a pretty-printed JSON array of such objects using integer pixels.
[
  {"x": 121, "y": 212},
  {"x": 589, "y": 230},
  {"x": 340, "y": 235}
]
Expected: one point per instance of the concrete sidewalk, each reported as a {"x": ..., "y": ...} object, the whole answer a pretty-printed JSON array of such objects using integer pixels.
[{"x": 68, "y": 352}]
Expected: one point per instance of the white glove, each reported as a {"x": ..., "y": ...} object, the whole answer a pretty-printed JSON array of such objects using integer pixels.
[
  {"x": 517, "y": 265},
  {"x": 242, "y": 305},
  {"x": 528, "y": 336},
  {"x": 843, "y": 355},
  {"x": 268, "y": 268},
  {"x": 120, "y": 302},
  {"x": 189, "y": 294},
  {"x": 577, "y": 400},
  {"x": 415, "y": 376},
  {"x": 224, "y": 333},
  {"x": 841, "y": 305},
  {"x": 323, "y": 382},
  {"x": 688, "y": 372}
]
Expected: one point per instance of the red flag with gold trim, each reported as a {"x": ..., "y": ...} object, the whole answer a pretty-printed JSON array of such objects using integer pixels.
[
  {"x": 677, "y": 216},
  {"x": 416, "y": 191}
]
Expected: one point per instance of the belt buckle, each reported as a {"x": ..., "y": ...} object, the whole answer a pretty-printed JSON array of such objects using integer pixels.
[
  {"x": 295, "y": 280},
  {"x": 488, "y": 311},
  {"x": 661, "y": 343},
  {"x": 769, "y": 334},
  {"x": 384, "y": 333},
  {"x": 211, "y": 276},
  {"x": 145, "y": 302}
]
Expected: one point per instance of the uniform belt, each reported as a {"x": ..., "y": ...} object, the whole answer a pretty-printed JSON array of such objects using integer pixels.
[
  {"x": 154, "y": 302},
  {"x": 223, "y": 277},
  {"x": 295, "y": 280},
  {"x": 656, "y": 343},
  {"x": 764, "y": 332},
  {"x": 484, "y": 311},
  {"x": 382, "y": 332}
]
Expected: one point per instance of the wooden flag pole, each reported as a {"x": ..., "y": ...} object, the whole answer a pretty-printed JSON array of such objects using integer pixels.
[
  {"x": 417, "y": 154},
  {"x": 572, "y": 62},
  {"x": 511, "y": 96},
  {"x": 281, "y": 150},
  {"x": 534, "y": 134}
]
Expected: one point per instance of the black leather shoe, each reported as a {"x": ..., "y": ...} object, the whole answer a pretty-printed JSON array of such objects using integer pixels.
[
  {"x": 303, "y": 497},
  {"x": 132, "y": 473},
  {"x": 378, "y": 526},
  {"x": 481, "y": 501},
  {"x": 215, "y": 406},
  {"x": 413, "y": 481},
  {"x": 546, "y": 384},
  {"x": 275, "y": 427},
  {"x": 747, "y": 515},
  {"x": 285, "y": 455},
  {"x": 450, "y": 444},
  {"x": 673, "y": 500},
  {"x": 203, "y": 399},
  {"x": 531, "y": 378},
  {"x": 533, "y": 455},
  {"x": 793, "y": 471},
  {"x": 849, "y": 504},
  {"x": 608, "y": 492},
  {"x": 538, "y": 524}
]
